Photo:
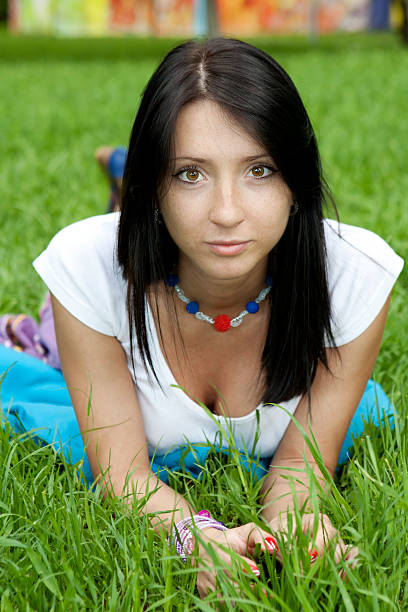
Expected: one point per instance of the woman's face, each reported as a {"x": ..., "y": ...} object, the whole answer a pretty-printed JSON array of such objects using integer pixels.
[{"x": 226, "y": 206}]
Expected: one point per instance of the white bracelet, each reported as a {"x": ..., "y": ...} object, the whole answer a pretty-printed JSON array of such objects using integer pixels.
[{"x": 183, "y": 531}]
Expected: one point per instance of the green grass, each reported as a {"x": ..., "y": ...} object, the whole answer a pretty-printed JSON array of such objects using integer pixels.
[{"x": 61, "y": 546}]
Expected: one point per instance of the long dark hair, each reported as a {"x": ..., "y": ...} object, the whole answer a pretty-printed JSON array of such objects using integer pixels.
[{"x": 255, "y": 90}]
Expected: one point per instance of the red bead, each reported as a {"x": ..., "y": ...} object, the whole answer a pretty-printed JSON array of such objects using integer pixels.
[{"x": 222, "y": 323}]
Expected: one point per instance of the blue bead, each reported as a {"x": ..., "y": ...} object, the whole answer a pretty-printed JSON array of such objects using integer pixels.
[
  {"x": 269, "y": 281},
  {"x": 192, "y": 307},
  {"x": 252, "y": 307},
  {"x": 172, "y": 280}
]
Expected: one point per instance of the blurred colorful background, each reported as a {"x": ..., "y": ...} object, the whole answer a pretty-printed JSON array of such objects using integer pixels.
[{"x": 195, "y": 17}]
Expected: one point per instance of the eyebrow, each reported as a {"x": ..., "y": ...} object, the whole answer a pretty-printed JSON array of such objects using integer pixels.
[{"x": 201, "y": 160}]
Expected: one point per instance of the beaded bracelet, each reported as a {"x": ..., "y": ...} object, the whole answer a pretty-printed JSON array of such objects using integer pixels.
[{"x": 183, "y": 531}]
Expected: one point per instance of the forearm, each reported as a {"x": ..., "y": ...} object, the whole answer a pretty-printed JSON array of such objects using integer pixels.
[
  {"x": 286, "y": 486},
  {"x": 150, "y": 496}
]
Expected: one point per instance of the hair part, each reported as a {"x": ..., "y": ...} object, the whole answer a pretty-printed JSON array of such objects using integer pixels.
[{"x": 255, "y": 91}]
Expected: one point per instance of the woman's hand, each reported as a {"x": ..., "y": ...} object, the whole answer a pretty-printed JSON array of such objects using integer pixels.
[
  {"x": 325, "y": 534},
  {"x": 241, "y": 540}
]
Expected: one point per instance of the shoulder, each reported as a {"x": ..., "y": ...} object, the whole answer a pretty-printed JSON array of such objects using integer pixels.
[
  {"x": 80, "y": 268},
  {"x": 94, "y": 233},
  {"x": 83, "y": 247},
  {"x": 362, "y": 269},
  {"x": 349, "y": 243}
]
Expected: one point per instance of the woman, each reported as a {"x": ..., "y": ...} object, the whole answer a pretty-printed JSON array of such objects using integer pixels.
[{"x": 221, "y": 277}]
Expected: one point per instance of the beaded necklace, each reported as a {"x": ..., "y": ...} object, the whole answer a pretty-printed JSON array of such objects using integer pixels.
[{"x": 222, "y": 323}]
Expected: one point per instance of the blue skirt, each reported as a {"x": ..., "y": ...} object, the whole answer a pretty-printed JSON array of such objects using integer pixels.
[{"x": 35, "y": 399}]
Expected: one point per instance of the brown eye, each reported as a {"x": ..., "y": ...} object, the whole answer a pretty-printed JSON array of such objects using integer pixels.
[
  {"x": 261, "y": 172},
  {"x": 192, "y": 175},
  {"x": 189, "y": 175},
  {"x": 258, "y": 171}
]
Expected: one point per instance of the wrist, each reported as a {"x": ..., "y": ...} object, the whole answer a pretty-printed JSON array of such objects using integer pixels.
[
  {"x": 210, "y": 530},
  {"x": 184, "y": 532},
  {"x": 210, "y": 533}
]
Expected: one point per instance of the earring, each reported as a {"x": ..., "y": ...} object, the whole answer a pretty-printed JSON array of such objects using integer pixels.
[
  {"x": 294, "y": 208},
  {"x": 157, "y": 215}
]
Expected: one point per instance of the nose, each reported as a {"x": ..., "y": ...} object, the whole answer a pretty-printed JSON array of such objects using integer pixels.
[{"x": 226, "y": 206}]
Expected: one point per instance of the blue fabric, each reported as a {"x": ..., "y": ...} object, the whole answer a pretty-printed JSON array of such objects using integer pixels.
[
  {"x": 116, "y": 162},
  {"x": 34, "y": 399}
]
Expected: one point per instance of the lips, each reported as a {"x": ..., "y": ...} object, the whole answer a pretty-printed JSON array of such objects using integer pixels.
[{"x": 228, "y": 247}]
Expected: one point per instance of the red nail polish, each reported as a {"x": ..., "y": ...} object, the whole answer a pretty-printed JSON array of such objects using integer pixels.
[
  {"x": 255, "y": 570},
  {"x": 313, "y": 554},
  {"x": 271, "y": 544},
  {"x": 267, "y": 595}
]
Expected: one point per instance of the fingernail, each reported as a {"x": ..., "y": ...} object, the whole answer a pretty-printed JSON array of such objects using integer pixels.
[
  {"x": 271, "y": 544},
  {"x": 255, "y": 570},
  {"x": 313, "y": 554}
]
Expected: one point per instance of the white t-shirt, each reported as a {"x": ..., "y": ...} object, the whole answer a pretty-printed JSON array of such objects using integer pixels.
[{"x": 80, "y": 269}]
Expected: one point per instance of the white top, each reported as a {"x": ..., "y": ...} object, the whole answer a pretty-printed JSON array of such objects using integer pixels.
[{"x": 80, "y": 269}]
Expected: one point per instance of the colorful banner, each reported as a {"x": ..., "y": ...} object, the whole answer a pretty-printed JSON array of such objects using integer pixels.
[
  {"x": 130, "y": 16},
  {"x": 251, "y": 17},
  {"x": 69, "y": 17},
  {"x": 32, "y": 15},
  {"x": 174, "y": 17},
  {"x": 187, "y": 17}
]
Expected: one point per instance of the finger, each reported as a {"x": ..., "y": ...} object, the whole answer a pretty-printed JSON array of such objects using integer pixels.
[
  {"x": 227, "y": 597},
  {"x": 271, "y": 545},
  {"x": 323, "y": 539},
  {"x": 250, "y": 568},
  {"x": 260, "y": 537},
  {"x": 313, "y": 553},
  {"x": 341, "y": 551},
  {"x": 265, "y": 593},
  {"x": 308, "y": 521},
  {"x": 207, "y": 582},
  {"x": 351, "y": 561},
  {"x": 204, "y": 584},
  {"x": 323, "y": 526},
  {"x": 229, "y": 562},
  {"x": 267, "y": 542},
  {"x": 205, "y": 588},
  {"x": 352, "y": 556},
  {"x": 317, "y": 547}
]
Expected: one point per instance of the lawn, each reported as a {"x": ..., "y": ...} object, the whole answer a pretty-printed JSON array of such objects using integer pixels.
[{"x": 61, "y": 546}]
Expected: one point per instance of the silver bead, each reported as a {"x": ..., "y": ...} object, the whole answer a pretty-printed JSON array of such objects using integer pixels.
[
  {"x": 203, "y": 317},
  {"x": 262, "y": 295},
  {"x": 180, "y": 294},
  {"x": 238, "y": 319}
]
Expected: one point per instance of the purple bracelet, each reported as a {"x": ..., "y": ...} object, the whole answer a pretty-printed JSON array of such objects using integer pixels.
[{"x": 183, "y": 531}]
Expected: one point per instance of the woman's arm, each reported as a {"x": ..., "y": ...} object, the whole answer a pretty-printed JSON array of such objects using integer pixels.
[
  {"x": 111, "y": 424},
  {"x": 110, "y": 420},
  {"x": 334, "y": 399}
]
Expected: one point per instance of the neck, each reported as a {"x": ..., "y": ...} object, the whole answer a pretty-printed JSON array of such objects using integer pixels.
[{"x": 216, "y": 296}]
